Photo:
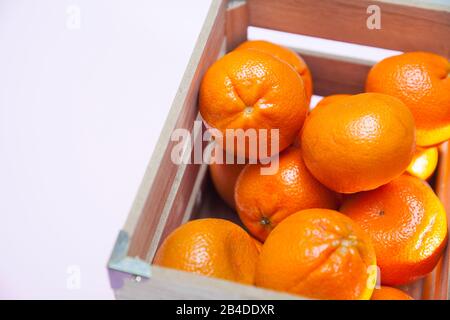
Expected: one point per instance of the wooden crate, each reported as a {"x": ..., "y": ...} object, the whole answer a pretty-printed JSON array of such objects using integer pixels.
[{"x": 171, "y": 194}]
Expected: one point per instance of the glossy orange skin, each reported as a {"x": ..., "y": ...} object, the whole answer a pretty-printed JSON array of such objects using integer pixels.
[
  {"x": 407, "y": 224},
  {"x": 287, "y": 55},
  {"x": 318, "y": 253},
  {"x": 421, "y": 80},
  {"x": 211, "y": 247},
  {"x": 263, "y": 201},
  {"x": 358, "y": 143},
  {"x": 389, "y": 293},
  {"x": 330, "y": 99},
  {"x": 424, "y": 162},
  {"x": 248, "y": 89},
  {"x": 224, "y": 177}
]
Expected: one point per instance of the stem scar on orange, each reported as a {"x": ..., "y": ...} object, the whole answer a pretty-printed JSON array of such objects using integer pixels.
[
  {"x": 408, "y": 226},
  {"x": 318, "y": 253},
  {"x": 263, "y": 201},
  {"x": 286, "y": 55},
  {"x": 249, "y": 89}
]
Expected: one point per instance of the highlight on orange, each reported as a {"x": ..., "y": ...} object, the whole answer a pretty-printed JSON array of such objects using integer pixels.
[
  {"x": 407, "y": 224},
  {"x": 359, "y": 142},
  {"x": 318, "y": 253},
  {"x": 211, "y": 247},
  {"x": 424, "y": 162},
  {"x": 421, "y": 80},
  {"x": 252, "y": 90}
]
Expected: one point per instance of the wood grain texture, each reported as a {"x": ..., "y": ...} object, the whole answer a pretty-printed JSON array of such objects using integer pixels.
[
  {"x": 184, "y": 201},
  {"x": 438, "y": 284},
  {"x": 414, "y": 289},
  {"x": 236, "y": 24},
  {"x": 149, "y": 209},
  {"x": 435, "y": 286},
  {"x": 333, "y": 76},
  {"x": 173, "y": 284},
  {"x": 427, "y": 4},
  {"x": 403, "y": 28}
]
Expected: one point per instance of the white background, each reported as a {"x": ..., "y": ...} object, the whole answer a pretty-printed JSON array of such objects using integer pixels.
[{"x": 80, "y": 113}]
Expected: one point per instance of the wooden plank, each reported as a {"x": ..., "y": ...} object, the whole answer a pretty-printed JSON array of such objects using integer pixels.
[
  {"x": 333, "y": 76},
  {"x": 182, "y": 189},
  {"x": 440, "y": 287},
  {"x": 183, "y": 202},
  {"x": 320, "y": 47},
  {"x": 196, "y": 198},
  {"x": 178, "y": 205},
  {"x": 149, "y": 205},
  {"x": 427, "y": 4},
  {"x": 404, "y": 28},
  {"x": 179, "y": 285},
  {"x": 433, "y": 283},
  {"x": 414, "y": 289},
  {"x": 236, "y": 23}
]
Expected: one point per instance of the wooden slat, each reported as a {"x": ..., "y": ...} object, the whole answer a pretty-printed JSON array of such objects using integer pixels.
[
  {"x": 180, "y": 202},
  {"x": 185, "y": 196},
  {"x": 414, "y": 289},
  {"x": 236, "y": 24},
  {"x": 333, "y": 76},
  {"x": 433, "y": 284},
  {"x": 404, "y": 28},
  {"x": 149, "y": 209},
  {"x": 173, "y": 284},
  {"x": 439, "y": 5},
  {"x": 439, "y": 286}
]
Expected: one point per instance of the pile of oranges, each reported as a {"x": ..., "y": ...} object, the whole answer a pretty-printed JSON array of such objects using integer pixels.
[{"x": 349, "y": 203}]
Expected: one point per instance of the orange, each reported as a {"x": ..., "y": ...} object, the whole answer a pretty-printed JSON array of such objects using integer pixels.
[
  {"x": 248, "y": 89},
  {"x": 224, "y": 178},
  {"x": 358, "y": 143},
  {"x": 323, "y": 103},
  {"x": 424, "y": 162},
  {"x": 211, "y": 247},
  {"x": 407, "y": 224},
  {"x": 263, "y": 201},
  {"x": 389, "y": 293},
  {"x": 421, "y": 80},
  {"x": 318, "y": 253},
  {"x": 329, "y": 99},
  {"x": 287, "y": 55},
  {"x": 258, "y": 245}
]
